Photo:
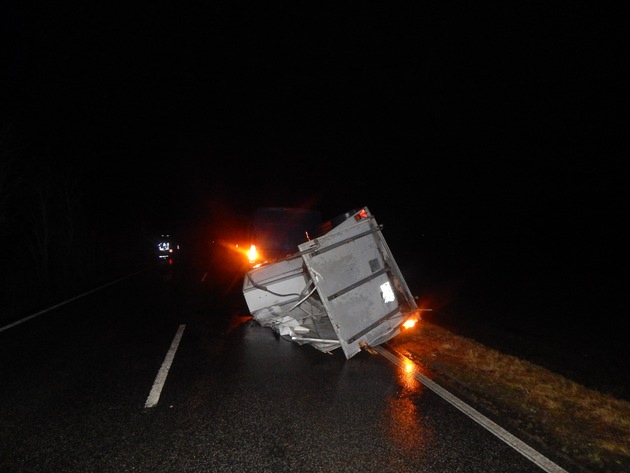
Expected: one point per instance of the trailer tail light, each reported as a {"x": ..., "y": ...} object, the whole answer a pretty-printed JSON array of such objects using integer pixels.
[{"x": 409, "y": 323}]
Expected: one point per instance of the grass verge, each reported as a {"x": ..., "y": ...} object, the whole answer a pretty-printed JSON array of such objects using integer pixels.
[{"x": 589, "y": 429}]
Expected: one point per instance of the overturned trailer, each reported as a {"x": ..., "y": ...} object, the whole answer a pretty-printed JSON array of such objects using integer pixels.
[{"x": 341, "y": 289}]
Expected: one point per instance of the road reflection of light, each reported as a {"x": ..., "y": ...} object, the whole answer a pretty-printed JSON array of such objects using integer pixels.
[
  {"x": 405, "y": 422},
  {"x": 236, "y": 320},
  {"x": 406, "y": 376}
]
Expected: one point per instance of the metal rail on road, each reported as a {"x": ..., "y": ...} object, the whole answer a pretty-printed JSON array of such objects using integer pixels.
[{"x": 517, "y": 444}]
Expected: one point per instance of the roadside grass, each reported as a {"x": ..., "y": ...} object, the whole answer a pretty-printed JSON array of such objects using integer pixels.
[{"x": 584, "y": 426}]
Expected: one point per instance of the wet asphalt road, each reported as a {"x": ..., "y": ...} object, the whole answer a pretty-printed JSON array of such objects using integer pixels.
[{"x": 237, "y": 398}]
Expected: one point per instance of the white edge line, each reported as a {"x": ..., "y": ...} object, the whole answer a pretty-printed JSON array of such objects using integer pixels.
[
  {"x": 160, "y": 379},
  {"x": 18, "y": 322},
  {"x": 518, "y": 445}
]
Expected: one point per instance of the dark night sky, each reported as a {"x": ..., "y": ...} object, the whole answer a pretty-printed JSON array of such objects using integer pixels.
[{"x": 486, "y": 116}]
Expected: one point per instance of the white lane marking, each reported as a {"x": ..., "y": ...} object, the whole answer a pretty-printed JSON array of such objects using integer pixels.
[
  {"x": 18, "y": 322},
  {"x": 160, "y": 379},
  {"x": 204, "y": 276},
  {"x": 518, "y": 445}
]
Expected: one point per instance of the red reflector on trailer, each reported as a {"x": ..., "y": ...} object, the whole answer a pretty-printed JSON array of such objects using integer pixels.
[{"x": 361, "y": 215}]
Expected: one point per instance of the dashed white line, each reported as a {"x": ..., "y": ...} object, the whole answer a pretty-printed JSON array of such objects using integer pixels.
[{"x": 160, "y": 379}]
